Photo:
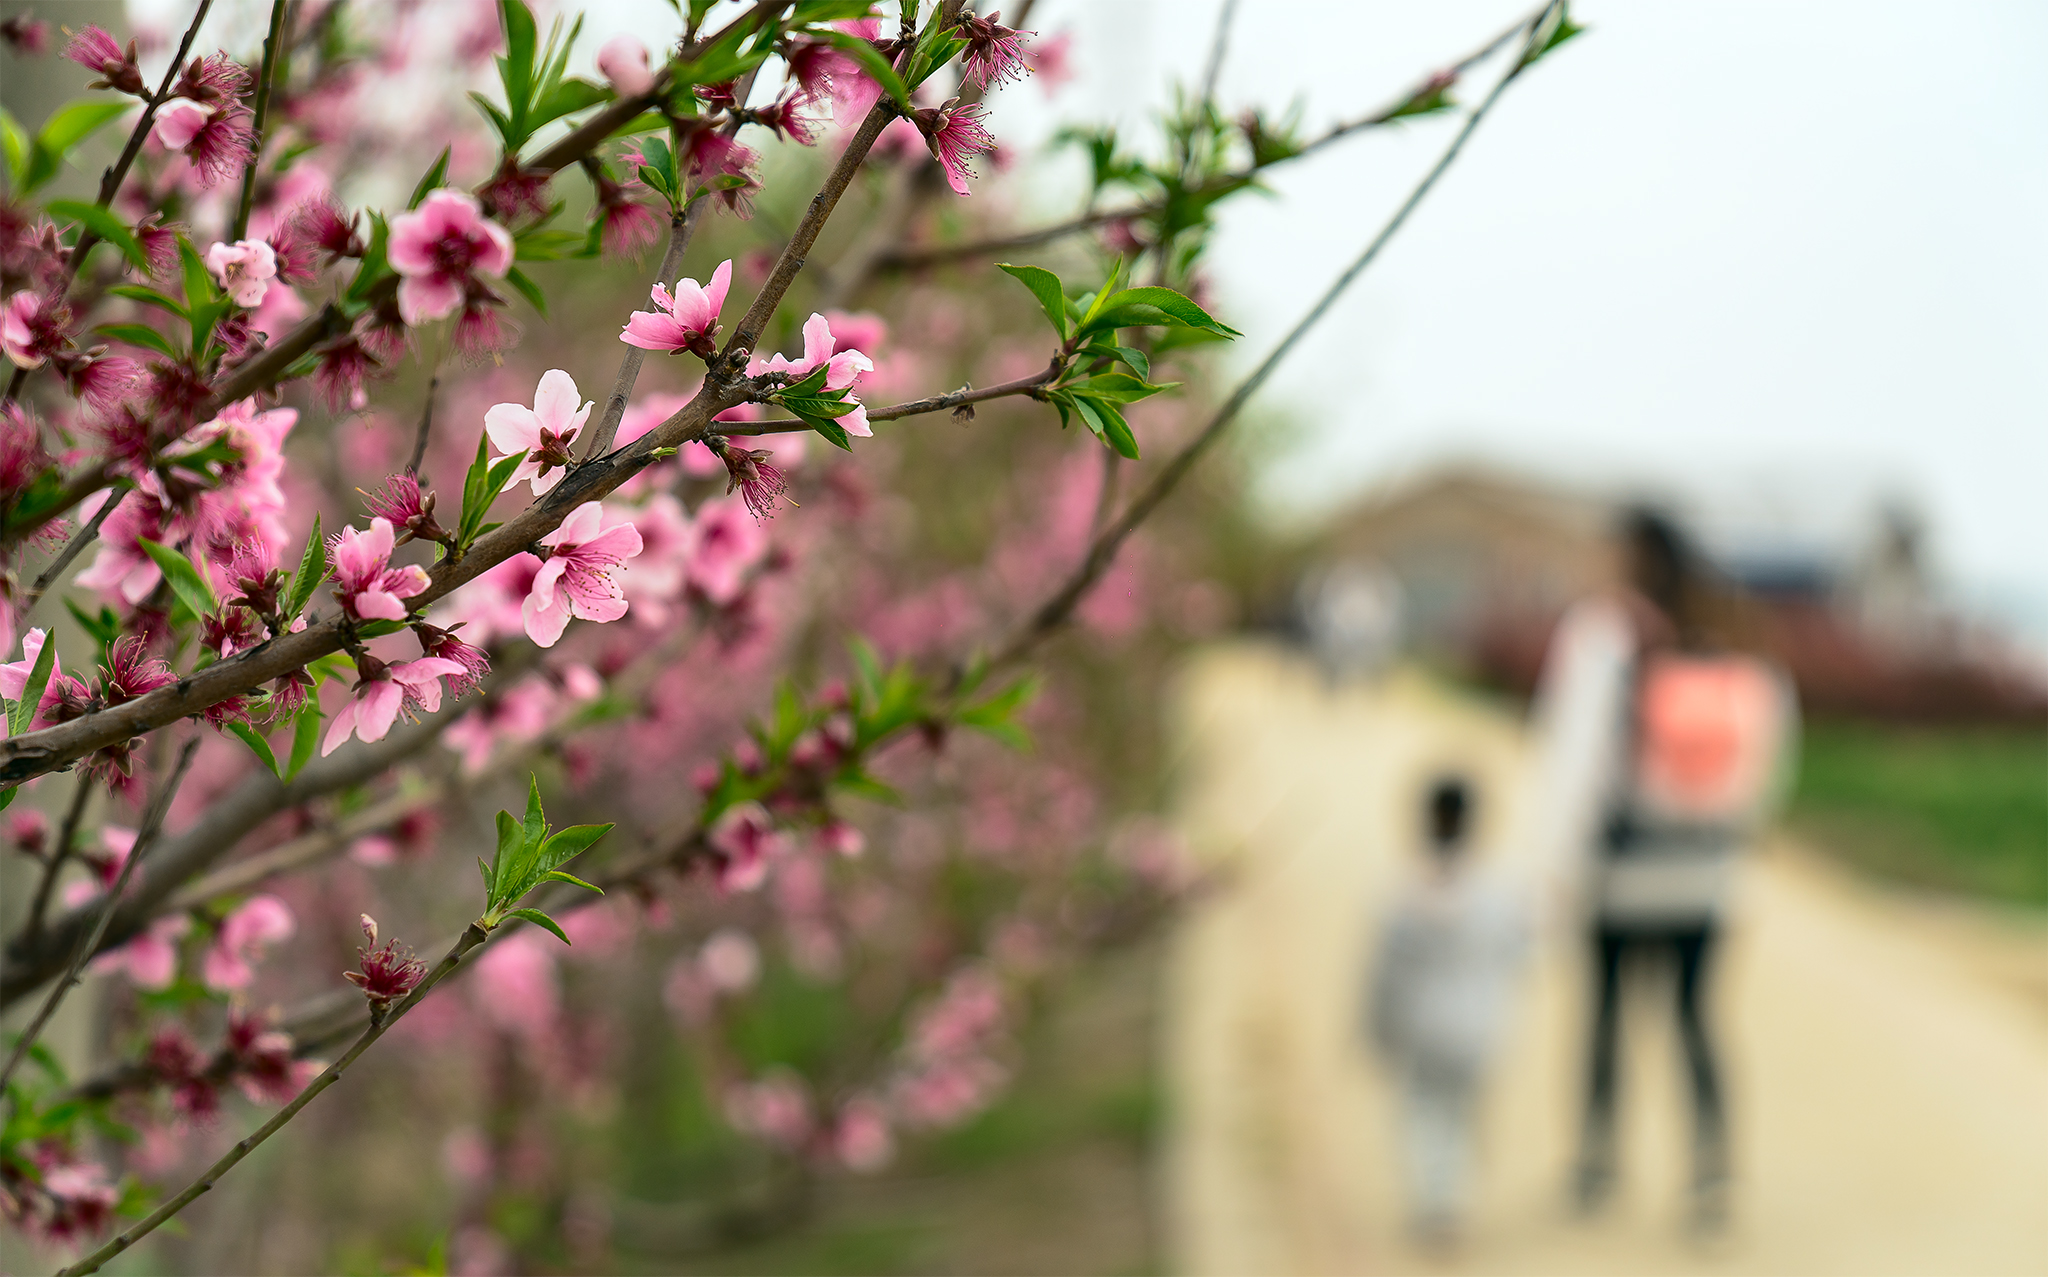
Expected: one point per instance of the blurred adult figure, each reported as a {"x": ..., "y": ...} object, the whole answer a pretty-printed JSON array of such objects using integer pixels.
[
  {"x": 1664, "y": 748},
  {"x": 1441, "y": 991}
]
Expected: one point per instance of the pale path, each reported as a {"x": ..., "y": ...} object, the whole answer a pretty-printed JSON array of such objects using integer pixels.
[{"x": 1889, "y": 1097}]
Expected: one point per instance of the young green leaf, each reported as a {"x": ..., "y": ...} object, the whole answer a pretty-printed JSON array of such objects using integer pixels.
[
  {"x": 186, "y": 581},
  {"x": 506, "y": 855},
  {"x": 312, "y": 571},
  {"x": 257, "y": 745},
  {"x": 539, "y": 919},
  {"x": 64, "y": 130},
  {"x": 431, "y": 180},
  {"x": 149, "y": 296},
  {"x": 531, "y": 291},
  {"x": 559, "y": 875},
  {"x": 103, "y": 224},
  {"x": 1046, "y": 287},
  {"x": 831, "y": 431},
  {"x": 141, "y": 335},
  {"x": 811, "y": 406},
  {"x": 305, "y": 737},
  {"x": 872, "y": 62},
  {"x": 24, "y": 711}
]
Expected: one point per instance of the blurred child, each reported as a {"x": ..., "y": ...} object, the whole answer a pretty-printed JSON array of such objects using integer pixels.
[{"x": 1449, "y": 955}]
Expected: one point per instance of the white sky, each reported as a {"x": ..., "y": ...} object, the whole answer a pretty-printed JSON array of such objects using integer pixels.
[{"x": 1788, "y": 253}]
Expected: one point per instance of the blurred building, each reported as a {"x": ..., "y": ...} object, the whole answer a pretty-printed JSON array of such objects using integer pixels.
[{"x": 1486, "y": 561}]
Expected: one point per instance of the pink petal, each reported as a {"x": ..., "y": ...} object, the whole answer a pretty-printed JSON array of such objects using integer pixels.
[
  {"x": 855, "y": 423},
  {"x": 427, "y": 297},
  {"x": 339, "y": 730},
  {"x": 555, "y": 400},
  {"x": 379, "y": 605},
  {"x": 544, "y": 624},
  {"x": 514, "y": 428},
  {"x": 583, "y": 523},
  {"x": 613, "y": 545},
  {"x": 692, "y": 309},
  {"x": 377, "y": 709},
  {"x": 721, "y": 280},
  {"x": 496, "y": 258},
  {"x": 817, "y": 341},
  {"x": 650, "y": 331}
]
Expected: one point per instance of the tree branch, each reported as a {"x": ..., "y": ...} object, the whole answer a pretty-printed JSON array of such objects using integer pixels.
[
  {"x": 273, "y": 46},
  {"x": 469, "y": 940},
  {"x": 106, "y": 911}
]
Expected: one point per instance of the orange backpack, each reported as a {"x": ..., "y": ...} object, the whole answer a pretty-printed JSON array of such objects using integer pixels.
[{"x": 1708, "y": 732}]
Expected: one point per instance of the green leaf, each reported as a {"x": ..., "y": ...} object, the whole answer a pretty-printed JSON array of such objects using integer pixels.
[
  {"x": 811, "y": 406},
  {"x": 539, "y": 919},
  {"x": 1134, "y": 307},
  {"x": 1139, "y": 362},
  {"x": 1108, "y": 425},
  {"x": 516, "y": 67},
  {"x": 557, "y": 875},
  {"x": 473, "y": 504},
  {"x": 567, "y": 98},
  {"x": 257, "y": 745},
  {"x": 1118, "y": 387},
  {"x": 105, "y": 225},
  {"x": 435, "y": 177},
  {"x": 63, "y": 131},
  {"x": 521, "y": 281},
  {"x": 997, "y": 715},
  {"x": 14, "y": 141},
  {"x": 485, "y": 870},
  {"x": 567, "y": 844},
  {"x": 150, "y": 296},
  {"x": 507, "y": 854},
  {"x": 375, "y": 264},
  {"x": 186, "y": 580},
  {"x": 535, "y": 828},
  {"x": 546, "y": 245},
  {"x": 833, "y": 433},
  {"x": 140, "y": 335},
  {"x": 1046, "y": 287},
  {"x": 24, "y": 712},
  {"x": 305, "y": 737},
  {"x": 104, "y": 628},
  {"x": 312, "y": 571},
  {"x": 872, "y": 62}
]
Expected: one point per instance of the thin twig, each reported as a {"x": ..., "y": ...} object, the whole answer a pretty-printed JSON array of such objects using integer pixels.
[
  {"x": 150, "y": 826},
  {"x": 66, "y": 835},
  {"x": 1217, "y": 50},
  {"x": 83, "y": 538},
  {"x": 915, "y": 407},
  {"x": 680, "y": 226},
  {"x": 1054, "y": 612},
  {"x": 471, "y": 938},
  {"x": 273, "y": 46},
  {"x": 419, "y": 442}
]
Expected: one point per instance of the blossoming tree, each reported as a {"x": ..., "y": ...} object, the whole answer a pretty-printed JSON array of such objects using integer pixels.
[{"x": 599, "y": 599}]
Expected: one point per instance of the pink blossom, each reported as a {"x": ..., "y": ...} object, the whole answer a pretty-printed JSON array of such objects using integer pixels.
[
  {"x": 95, "y": 50},
  {"x": 623, "y": 61},
  {"x": 730, "y": 960},
  {"x": 746, "y": 839},
  {"x": 994, "y": 53},
  {"x": 33, "y": 327},
  {"x": 382, "y": 692},
  {"x": 543, "y": 432},
  {"x": 581, "y": 575},
  {"x": 120, "y": 568},
  {"x": 686, "y": 319},
  {"x": 726, "y": 544},
  {"x": 641, "y": 418},
  {"x": 713, "y": 155},
  {"x": 150, "y": 959},
  {"x": 777, "y": 1108},
  {"x": 842, "y": 839},
  {"x": 861, "y": 1138},
  {"x": 244, "y": 935},
  {"x": 956, "y": 135},
  {"x": 218, "y": 140},
  {"x": 14, "y": 674},
  {"x": 437, "y": 247},
  {"x": 244, "y": 269},
  {"x": 370, "y": 589},
  {"x": 845, "y": 364},
  {"x": 666, "y": 540},
  {"x": 517, "y": 715},
  {"x": 488, "y": 607},
  {"x": 1051, "y": 59},
  {"x": 27, "y": 36}
]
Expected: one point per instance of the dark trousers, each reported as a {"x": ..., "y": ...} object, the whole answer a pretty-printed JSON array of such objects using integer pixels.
[{"x": 1615, "y": 950}]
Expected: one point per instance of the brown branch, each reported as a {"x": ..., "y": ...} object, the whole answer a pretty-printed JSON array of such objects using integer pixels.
[
  {"x": 272, "y": 44},
  {"x": 1102, "y": 551},
  {"x": 59, "y": 854},
  {"x": 85, "y": 950},
  {"x": 426, "y": 430},
  {"x": 470, "y": 939},
  {"x": 915, "y": 407},
  {"x": 83, "y": 538}
]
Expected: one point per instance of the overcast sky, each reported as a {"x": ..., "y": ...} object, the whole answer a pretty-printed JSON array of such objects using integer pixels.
[{"x": 1788, "y": 256}]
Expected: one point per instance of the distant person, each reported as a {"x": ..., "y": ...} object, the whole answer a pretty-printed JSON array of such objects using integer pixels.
[
  {"x": 1442, "y": 988},
  {"x": 1664, "y": 750}
]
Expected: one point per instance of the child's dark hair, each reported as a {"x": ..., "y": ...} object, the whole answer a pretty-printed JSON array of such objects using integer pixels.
[{"x": 1450, "y": 810}]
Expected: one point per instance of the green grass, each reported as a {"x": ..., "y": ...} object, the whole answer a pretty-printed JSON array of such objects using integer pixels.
[{"x": 1961, "y": 809}]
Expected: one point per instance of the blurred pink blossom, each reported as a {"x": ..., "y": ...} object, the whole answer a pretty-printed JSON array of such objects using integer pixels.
[
  {"x": 244, "y": 935},
  {"x": 438, "y": 247}
]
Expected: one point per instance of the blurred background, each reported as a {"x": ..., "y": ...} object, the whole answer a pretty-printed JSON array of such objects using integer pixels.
[{"x": 1775, "y": 271}]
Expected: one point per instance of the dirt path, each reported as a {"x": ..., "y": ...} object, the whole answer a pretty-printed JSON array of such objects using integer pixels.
[{"x": 1890, "y": 1097}]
